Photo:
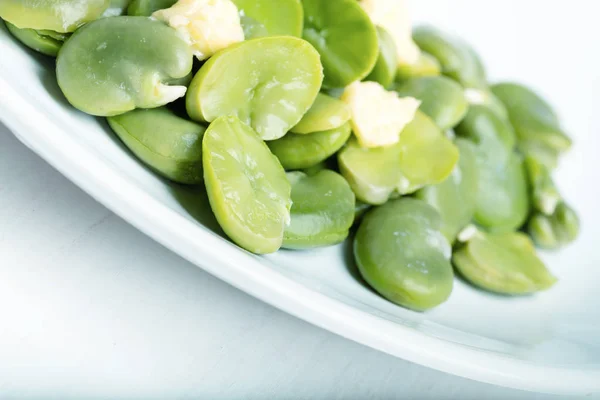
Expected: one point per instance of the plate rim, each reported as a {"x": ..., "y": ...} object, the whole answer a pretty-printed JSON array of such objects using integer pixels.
[{"x": 203, "y": 248}]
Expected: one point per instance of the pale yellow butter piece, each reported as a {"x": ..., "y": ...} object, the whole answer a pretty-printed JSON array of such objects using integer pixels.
[
  {"x": 394, "y": 17},
  {"x": 378, "y": 115},
  {"x": 206, "y": 25}
]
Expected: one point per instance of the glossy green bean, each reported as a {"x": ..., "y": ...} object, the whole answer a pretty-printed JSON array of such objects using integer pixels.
[
  {"x": 457, "y": 59},
  {"x": 503, "y": 196},
  {"x": 62, "y": 16},
  {"x": 111, "y": 66},
  {"x": 167, "y": 143},
  {"x": 402, "y": 254},
  {"x": 345, "y": 37},
  {"x": 441, "y": 98},
  {"x": 503, "y": 263},
  {"x": 556, "y": 230},
  {"x": 325, "y": 114},
  {"x": 322, "y": 210},
  {"x": 248, "y": 190},
  {"x": 535, "y": 122},
  {"x": 456, "y": 198},
  {"x": 45, "y": 42},
  {"x": 386, "y": 67},
  {"x": 304, "y": 151}
]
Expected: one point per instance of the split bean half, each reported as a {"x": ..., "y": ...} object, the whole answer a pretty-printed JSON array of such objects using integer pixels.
[
  {"x": 248, "y": 190},
  {"x": 268, "y": 83},
  {"x": 504, "y": 263},
  {"x": 423, "y": 156}
]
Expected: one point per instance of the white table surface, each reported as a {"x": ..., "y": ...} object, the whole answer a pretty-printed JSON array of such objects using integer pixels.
[{"x": 90, "y": 308}]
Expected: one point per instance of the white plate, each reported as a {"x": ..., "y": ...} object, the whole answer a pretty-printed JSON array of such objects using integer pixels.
[{"x": 549, "y": 342}]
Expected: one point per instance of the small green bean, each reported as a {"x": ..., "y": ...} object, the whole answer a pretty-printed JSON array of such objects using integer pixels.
[
  {"x": 441, "y": 98},
  {"x": 555, "y": 230},
  {"x": 458, "y": 60},
  {"x": 304, "y": 151}
]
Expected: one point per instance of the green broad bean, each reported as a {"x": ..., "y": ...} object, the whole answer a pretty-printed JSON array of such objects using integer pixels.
[
  {"x": 427, "y": 65},
  {"x": 503, "y": 196},
  {"x": 555, "y": 230},
  {"x": 442, "y": 99},
  {"x": 544, "y": 194},
  {"x": 456, "y": 198},
  {"x": 63, "y": 16},
  {"x": 167, "y": 143},
  {"x": 373, "y": 173},
  {"x": 45, "y": 42},
  {"x": 269, "y": 83},
  {"x": 402, "y": 254},
  {"x": 423, "y": 156},
  {"x": 504, "y": 263},
  {"x": 145, "y": 8},
  {"x": 488, "y": 99},
  {"x": 322, "y": 210},
  {"x": 344, "y": 35},
  {"x": 304, "y": 151},
  {"x": 325, "y": 114},
  {"x": 457, "y": 59},
  {"x": 427, "y": 156},
  {"x": 386, "y": 67},
  {"x": 264, "y": 18},
  {"x": 494, "y": 137},
  {"x": 535, "y": 122},
  {"x": 524, "y": 105},
  {"x": 248, "y": 190},
  {"x": 111, "y": 66}
]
